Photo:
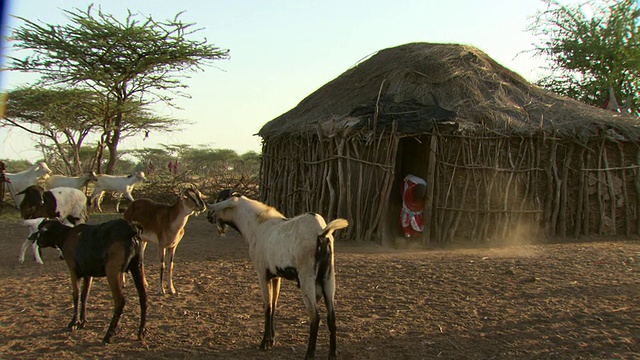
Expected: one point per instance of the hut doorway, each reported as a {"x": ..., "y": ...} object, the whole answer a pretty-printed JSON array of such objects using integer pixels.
[{"x": 413, "y": 157}]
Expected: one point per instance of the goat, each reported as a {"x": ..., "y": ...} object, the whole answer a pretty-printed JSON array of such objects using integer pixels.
[
  {"x": 76, "y": 182},
  {"x": 163, "y": 226},
  {"x": 123, "y": 185},
  {"x": 222, "y": 195},
  {"x": 300, "y": 248},
  {"x": 67, "y": 204},
  {"x": 109, "y": 249},
  {"x": 24, "y": 179}
]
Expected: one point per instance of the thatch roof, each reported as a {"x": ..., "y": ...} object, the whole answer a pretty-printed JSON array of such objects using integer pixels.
[{"x": 484, "y": 94}]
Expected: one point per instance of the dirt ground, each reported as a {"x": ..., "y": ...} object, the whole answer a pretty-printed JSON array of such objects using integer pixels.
[{"x": 575, "y": 300}]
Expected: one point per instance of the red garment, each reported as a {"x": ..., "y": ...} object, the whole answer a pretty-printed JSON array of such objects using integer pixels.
[{"x": 412, "y": 213}]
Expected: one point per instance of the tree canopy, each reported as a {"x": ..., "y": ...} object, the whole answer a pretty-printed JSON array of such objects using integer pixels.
[
  {"x": 127, "y": 64},
  {"x": 591, "y": 47}
]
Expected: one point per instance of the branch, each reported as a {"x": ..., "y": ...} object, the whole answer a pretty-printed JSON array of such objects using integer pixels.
[{"x": 18, "y": 125}]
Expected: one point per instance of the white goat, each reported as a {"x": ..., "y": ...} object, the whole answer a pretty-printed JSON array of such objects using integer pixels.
[
  {"x": 76, "y": 182},
  {"x": 122, "y": 184},
  {"x": 24, "y": 179},
  {"x": 69, "y": 205},
  {"x": 163, "y": 225},
  {"x": 300, "y": 248}
]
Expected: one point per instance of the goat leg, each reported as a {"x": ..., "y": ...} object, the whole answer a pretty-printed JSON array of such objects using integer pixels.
[
  {"x": 86, "y": 286},
  {"x": 143, "y": 246},
  {"x": 34, "y": 248},
  {"x": 170, "y": 255},
  {"x": 314, "y": 323},
  {"x": 309, "y": 297},
  {"x": 118, "y": 203},
  {"x": 268, "y": 340},
  {"x": 331, "y": 322},
  {"x": 115, "y": 283},
  {"x": 163, "y": 251},
  {"x": 137, "y": 273},
  {"x": 76, "y": 298}
]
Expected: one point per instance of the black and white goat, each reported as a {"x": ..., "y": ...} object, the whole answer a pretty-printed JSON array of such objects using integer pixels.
[
  {"x": 24, "y": 179},
  {"x": 67, "y": 204},
  {"x": 300, "y": 249},
  {"x": 109, "y": 249},
  {"x": 77, "y": 182},
  {"x": 163, "y": 226},
  {"x": 122, "y": 184}
]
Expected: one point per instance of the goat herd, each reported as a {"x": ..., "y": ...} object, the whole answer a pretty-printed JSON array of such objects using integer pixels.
[{"x": 299, "y": 248}]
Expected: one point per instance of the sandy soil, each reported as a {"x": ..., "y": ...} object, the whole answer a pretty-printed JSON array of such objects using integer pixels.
[{"x": 561, "y": 301}]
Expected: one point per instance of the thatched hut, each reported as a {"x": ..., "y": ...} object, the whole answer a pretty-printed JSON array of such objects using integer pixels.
[{"x": 514, "y": 158}]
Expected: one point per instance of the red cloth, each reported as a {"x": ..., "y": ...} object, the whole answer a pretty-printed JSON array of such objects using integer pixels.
[{"x": 412, "y": 213}]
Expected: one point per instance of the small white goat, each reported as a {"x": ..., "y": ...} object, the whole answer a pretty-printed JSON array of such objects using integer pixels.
[
  {"x": 69, "y": 205},
  {"x": 24, "y": 179},
  {"x": 163, "y": 225},
  {"x": 122, "y": 184},
  {"x": 300, "y": 248},
  {"x": 76, "y": 182}
]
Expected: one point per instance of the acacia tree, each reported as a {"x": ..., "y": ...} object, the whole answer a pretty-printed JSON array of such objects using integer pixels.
[
  {"x": 591, "y": 47},
  {"x": 130, "y": 63},
  {"x": 65, "y": 117}
]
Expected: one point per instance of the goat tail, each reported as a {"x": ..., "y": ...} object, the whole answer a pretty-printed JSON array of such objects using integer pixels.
[{"x": 334, "y": 225}]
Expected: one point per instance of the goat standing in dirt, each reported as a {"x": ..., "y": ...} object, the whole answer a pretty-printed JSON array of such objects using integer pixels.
[
  {"x": 299, "y": 249},
  {"x": 163, "y": 226},
  {"x": 105, "y": 250}
]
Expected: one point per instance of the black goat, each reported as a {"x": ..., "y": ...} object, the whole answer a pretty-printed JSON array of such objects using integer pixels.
[{"x": 108, "y": 249}]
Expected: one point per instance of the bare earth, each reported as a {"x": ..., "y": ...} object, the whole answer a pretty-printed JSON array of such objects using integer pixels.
[{"x": 562, "y": 301}]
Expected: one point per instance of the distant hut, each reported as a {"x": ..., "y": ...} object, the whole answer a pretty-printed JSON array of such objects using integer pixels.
[{"x": 513, "y": 158}]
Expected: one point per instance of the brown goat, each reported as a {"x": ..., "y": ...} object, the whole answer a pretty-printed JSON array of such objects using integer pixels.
[
  {"x": 108, "y": 249},
  {"x": 163, "y": 225}
]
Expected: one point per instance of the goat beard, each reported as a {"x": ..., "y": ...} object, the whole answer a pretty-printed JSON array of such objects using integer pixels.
[{"x": 222, "y": 227}]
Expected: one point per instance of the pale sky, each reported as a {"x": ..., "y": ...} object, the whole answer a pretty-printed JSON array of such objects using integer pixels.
[{"x": 281, "y": 51}]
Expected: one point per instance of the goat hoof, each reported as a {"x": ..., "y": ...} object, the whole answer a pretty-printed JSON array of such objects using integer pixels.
[
  {"x": 107, "y": 337},
  {"x": 267, "y": 344}
]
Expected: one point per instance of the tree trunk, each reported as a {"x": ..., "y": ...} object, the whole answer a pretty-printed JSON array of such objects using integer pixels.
[{"x": 112, "y": 144}]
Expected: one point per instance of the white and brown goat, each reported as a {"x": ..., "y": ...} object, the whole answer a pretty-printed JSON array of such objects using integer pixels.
[
  {"x": 163, "y": 226},
  {"x": 69, "y": 205},
  {"x": 298, "y": 248}
]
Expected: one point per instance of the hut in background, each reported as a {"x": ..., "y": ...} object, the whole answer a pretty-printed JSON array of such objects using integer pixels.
[{"x": 511, "y": 159}]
